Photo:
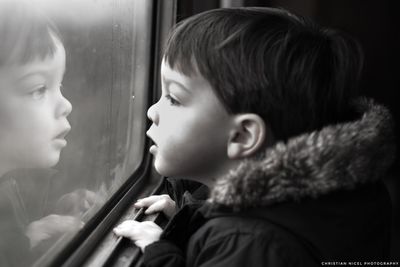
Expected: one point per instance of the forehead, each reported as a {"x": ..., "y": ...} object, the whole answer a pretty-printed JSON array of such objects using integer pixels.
[
  {"x": 50, "y": 64},
  {"x": 174, "y": 74}
]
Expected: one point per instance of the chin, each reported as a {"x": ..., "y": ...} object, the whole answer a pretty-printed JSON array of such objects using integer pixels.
[
  {"x": 48, "y": 161},
  {"x": 52, "y": 162},
  {"x": 162, "y": 168},
  {"x": 159, "y": 170},
  {"x": 170, "y": 170}
]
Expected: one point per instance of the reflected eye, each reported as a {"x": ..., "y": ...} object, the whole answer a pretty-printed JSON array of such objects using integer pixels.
[
  {"x": 39, "y": 92},
  {"x": 172, "y": 100}
]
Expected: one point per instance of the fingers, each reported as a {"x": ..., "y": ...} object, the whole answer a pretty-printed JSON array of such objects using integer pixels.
[
  {"x": 91, "y": 197},
  {"x": 148, "y": 201},
  {"x": 51, "y": 226},
  {"x": 156, "y": 207},
  {"x": 77, "y": 202},
  {"x": 55, "y": 223},
  {"x": 142, "y": 233},
  {"x": 157, "y": 203},
  {"x": 68, "y": 224},
  {"x": 126, "y": 229}
]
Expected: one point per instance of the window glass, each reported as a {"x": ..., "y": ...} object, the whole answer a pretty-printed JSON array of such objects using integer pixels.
[{"x": 107, "y": 45}]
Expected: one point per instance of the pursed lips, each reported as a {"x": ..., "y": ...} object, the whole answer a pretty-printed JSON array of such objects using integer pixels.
[
  {"x": 63, "y": 133},
  {"x": 148, "y": 135}
]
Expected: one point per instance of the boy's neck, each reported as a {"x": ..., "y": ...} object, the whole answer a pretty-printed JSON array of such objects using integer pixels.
[{"x": 210, "y": 179}]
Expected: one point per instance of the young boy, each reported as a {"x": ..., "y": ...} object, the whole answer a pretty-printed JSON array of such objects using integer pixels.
[
  {"x": 33, "y": 116},
  {"x": 260, "y": 105}
]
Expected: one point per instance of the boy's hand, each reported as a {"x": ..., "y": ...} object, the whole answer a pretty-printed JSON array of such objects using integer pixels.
[
  {"x": 142, "y": 233},
  {"x": 76, "y": 203},
  {"x": 157, "y": 203},
  {"x": 51, "y": 226}
]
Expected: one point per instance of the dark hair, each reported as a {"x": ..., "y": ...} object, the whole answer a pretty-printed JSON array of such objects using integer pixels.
[
  {"x": 296, "y": 75},
  {"x": 25, "y": 33}
]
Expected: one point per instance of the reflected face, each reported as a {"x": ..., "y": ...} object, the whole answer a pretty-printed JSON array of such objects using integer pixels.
[
  {"x": 190, "y": 128},
  {"x": 33, "y": 113}
]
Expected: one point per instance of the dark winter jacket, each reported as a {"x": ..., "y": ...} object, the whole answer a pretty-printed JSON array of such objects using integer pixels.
[
  {"x": 23, "y": 199},
  {"x": 317, "y": 198},
  {"x": 14, "y": 245}
]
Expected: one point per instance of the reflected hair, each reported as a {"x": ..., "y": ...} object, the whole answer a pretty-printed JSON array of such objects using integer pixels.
[
  {"x": 26, "y": 34},
  {"x": 293, "y": 73}
]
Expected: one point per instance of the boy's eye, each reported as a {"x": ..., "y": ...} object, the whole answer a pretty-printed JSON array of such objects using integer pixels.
[
  {"x": 172, "y": 100},
  {"x": 38, "y": 93}
]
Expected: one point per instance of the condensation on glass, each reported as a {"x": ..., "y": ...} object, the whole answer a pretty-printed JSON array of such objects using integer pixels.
[{"x": 107, "y": 46}]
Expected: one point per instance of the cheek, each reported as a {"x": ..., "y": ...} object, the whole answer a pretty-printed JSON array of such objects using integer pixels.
[
  {"x": 177, "y": 130},
  {"x": 189, "y": 148},
  {"x": 32, "y": 124},
  {"x": 188, "y": 160},
  {"x": 11, "y": 123},
  {"x": 25, "y": 133}
]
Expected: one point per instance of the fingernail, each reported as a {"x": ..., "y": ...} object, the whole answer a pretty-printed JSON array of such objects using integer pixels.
[{"x": 136, "y": 206}]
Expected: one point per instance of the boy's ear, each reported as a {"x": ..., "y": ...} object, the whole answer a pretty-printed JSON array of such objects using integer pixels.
[{"x": 247, "y": 135}]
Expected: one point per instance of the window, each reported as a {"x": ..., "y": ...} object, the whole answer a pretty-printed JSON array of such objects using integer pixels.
[{"x": 107, "y": 80}]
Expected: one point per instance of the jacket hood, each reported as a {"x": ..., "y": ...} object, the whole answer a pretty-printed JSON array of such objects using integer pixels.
[{"x": 337, "y": 157}]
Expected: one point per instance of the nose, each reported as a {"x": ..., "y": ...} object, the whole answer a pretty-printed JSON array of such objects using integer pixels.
[
  {"x": 64, "y": 107},
  {"x": 152, "y": 114}
]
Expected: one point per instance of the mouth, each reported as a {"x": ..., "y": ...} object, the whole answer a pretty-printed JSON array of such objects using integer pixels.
[
  {"x": 63, "y": 133},
  {"x": 148, "y": 135}
]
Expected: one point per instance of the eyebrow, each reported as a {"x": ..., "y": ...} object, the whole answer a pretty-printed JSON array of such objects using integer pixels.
[
  {"x": 32, "y": 73},
  {"x": 42, "y": 72},
  {"x": 169, "y": 81}
]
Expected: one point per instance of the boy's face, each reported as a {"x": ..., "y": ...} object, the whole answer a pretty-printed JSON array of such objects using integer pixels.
[
  {"x": 33, "y": 113},
  {"x": 190, "y": 128}
]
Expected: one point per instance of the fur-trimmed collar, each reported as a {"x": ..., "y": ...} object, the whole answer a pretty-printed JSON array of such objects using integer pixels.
[{"x": 337, "y": 157}]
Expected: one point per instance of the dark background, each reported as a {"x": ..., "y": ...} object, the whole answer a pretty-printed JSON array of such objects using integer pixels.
[{"x": 373, "y": 24}]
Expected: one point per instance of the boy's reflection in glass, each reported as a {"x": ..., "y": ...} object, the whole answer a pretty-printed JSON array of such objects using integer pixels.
[{"x": 33, "y": 123}]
